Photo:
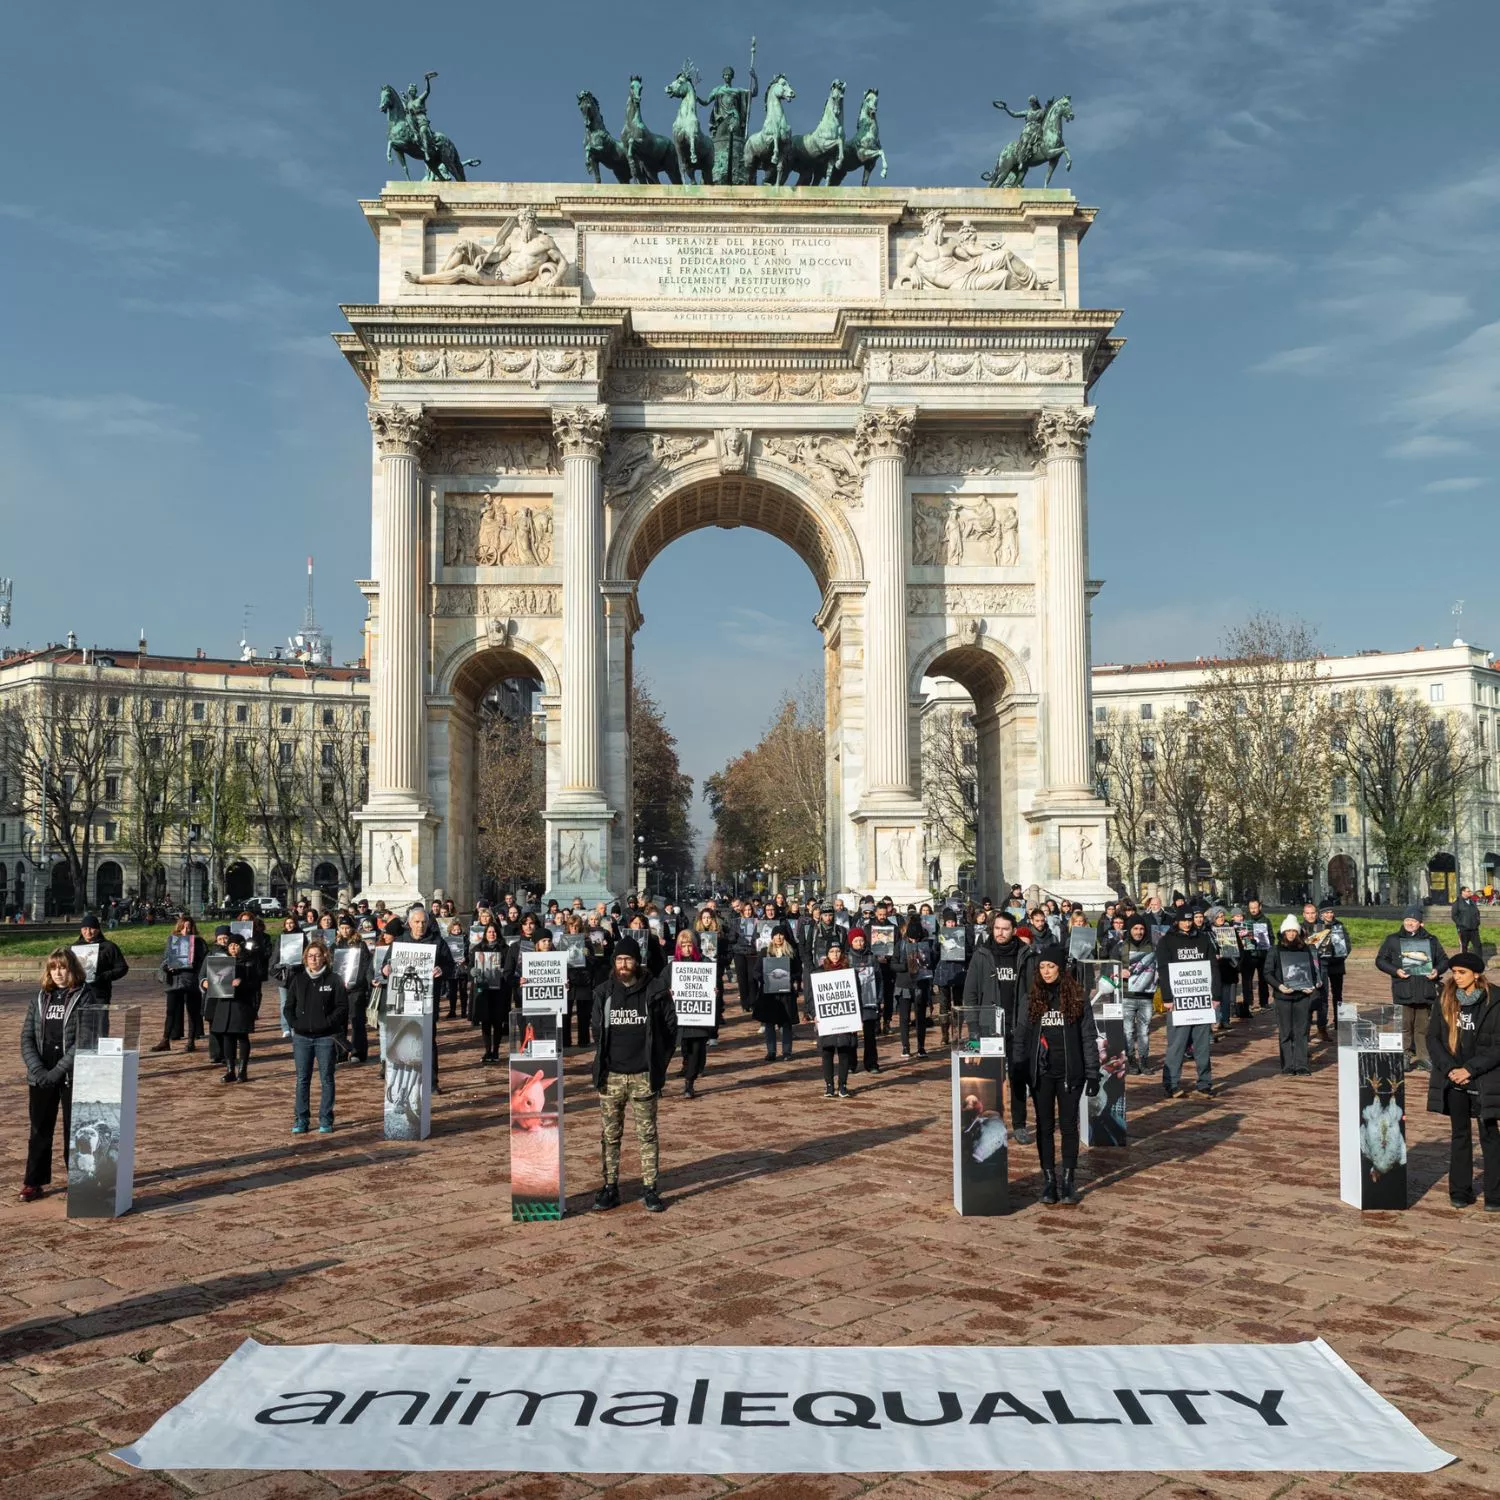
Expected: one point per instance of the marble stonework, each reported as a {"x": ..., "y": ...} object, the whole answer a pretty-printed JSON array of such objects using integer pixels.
[{"x": 748, "y": 357}]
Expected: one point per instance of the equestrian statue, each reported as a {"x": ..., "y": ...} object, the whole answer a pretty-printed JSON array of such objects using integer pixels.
[
  {"x": 409, "y": 133},
  {"x": 1039, "y": 143}
]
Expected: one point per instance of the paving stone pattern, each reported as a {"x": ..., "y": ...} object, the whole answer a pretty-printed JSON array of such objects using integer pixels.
[{"x": 793, "y": 1220}]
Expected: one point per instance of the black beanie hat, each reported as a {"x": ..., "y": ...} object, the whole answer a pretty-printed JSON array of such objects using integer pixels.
[
  {"x": 627, "y": 947},
  {"x": 90, "y": 920},
  {"x": 1470, "y": 961}
]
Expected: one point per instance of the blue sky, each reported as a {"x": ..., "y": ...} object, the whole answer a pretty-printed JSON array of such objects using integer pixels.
[{"x": 1299, "y": 214}]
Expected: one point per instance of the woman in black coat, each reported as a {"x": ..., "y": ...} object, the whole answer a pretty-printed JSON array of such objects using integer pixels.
[
  {"x": 693, "y": 1039},
  {"x": 234, "y": 1016},
  {"x": 776, "y": 1009},
  {"x": 1057, "y": 1043},
  {"x": 1463, "y": 1041},
  {"x": 49, "y": 1037},
  {"x": 179, "y": 972},
  {"x": 912, "y": 969},
  {"x": 838, "y": 1048},
  {"x": 488, "y": 1009}
]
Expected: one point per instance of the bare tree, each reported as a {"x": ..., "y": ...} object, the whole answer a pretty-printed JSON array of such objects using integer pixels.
[
  {"x": 661, "y": 794},
  {"x": 156, "y": 737},
  {"x": 512, "y": 790},
  {"x": 1181, "y": 806},
  {"x": 1127, "y": 783},
  {"x": 275, "y": 759},
  {"x": 218, "y": 798},
  {"x": 342, "y": 778},
  {"x": 950, "y": 777},
  {"x": 1266, "y": 733},
  {"x": 1412, "y": 769}
]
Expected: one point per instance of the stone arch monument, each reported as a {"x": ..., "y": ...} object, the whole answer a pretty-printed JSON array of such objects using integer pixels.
[{"x": 894, "y": 382}]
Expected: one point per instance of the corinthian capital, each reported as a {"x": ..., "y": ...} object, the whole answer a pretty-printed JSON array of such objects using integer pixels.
[
  {"x": 885, "y": 431},
  {"x": 400, "y": 429},
  {"x": 1063, "y": 431},
  {"x": 580, "y": 431}
]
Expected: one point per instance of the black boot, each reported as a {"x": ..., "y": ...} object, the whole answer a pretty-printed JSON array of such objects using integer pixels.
[
  {"x": 1069, "y": 1192},
  {"x": 1049, "y": 1187},
  {"x": 245, "y": 1071}
]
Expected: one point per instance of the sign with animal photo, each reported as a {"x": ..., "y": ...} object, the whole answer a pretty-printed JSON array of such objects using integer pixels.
[
  {"x": 1190, "y": 984},
  {"x": 776, "y": 974},
  {"x": 1297, "y": 971},
  {"x": 882, "y": 940},
  {"x": 456, "y": 947},
  {"x": 487, "y": 967},
  {"x": 180, "y": 951},
  {"x": 1416, "y": 957},
  {"x": 1228, "y": 940},
  {"x": 544, "y": 983},
  {"x": 951, "y": 945},
  {"x": 87, "y": 955},
  {"x": 409, "y": 988},
  {"x": 835, "y": 1000},
  {"x": 347, "y": 963},
  {"x": 694, "y": 995},
  {"x": 574, "y": 946},
  {"x": 289, "y": 949},
  {"x": 763, "y": 931},
  {"x": 1080, "y": 942},
  {"x": 218, "y": 970},
  {"x": 708, "y": 945}
]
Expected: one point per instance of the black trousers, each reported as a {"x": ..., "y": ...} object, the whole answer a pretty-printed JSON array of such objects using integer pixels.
[
  {"x": 1468, "y": 941},
  {"x": 835, "y": 1057},
  {"x": 872, "y": 1043},
  {"x": 183, "y": 1005},
  {"x": 359, "y": 1026},
  {"x": 234, "y": 1048},
  {"x": 743, "y": 963},
  {"x": 43, "y": 1103},
  {"x": 1020, "y": 1083},
  {"x": 1054, "y": 1096},
  {"x": 1462, "y": 1107},
  {"x": 887, "y": 994},
  {"x": 492, "y": 1031},
  {"x": 1254, "y": 973},
  {"x": 580, "y": 1003},
  {"x": 915, "y": 1001},
  {"x": 694, "y": 1057}
]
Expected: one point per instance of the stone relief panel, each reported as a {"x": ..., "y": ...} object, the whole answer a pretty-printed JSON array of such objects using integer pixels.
[
  {"x": 496, "y": 601},
  {"x": 733, "y": 385},
  {"x": 1078, "y": 852},
  {"x": 634, "y": 459},
  {"x": 521, "y": 257},
  {"x": 830, "y": 462},
  {"x": 970, "y": 367},
  {"x": 965, "y": 454},
  {"x": 962, "y": 262},
  {"x": 497, "y": 531},
  {"x": 972, "y": 531},
  {"x": 895, "y": 856},
  {"x": 578, "y": 855},
  {"x": 971, "y": 599},
  {"x": 530, "y": 365},
  {"x": 389, "y": 853},
  {"x": 474, "y": 451}
]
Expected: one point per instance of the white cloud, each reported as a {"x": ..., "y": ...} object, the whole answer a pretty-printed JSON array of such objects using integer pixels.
[
  {"x": 111, "y": 416},
  {"x": 1309, "y": 359},
  {"x": 1387, "y": 315},
  {"x": 1461, "y": 387},
  {"x": 1423, "y": 445},
  {"x": 1456, "y": 486}
]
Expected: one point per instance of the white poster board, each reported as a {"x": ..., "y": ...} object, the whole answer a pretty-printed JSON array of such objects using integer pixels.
[
  {"x": 544, "y": 984},
  {"x": 835, "y": 997},
  {"x": 693, "y": 996},
  {"x": 409, "y": 988},
  {"x": 1192, "y": 988},
  {"x": 87, "y": 955}
]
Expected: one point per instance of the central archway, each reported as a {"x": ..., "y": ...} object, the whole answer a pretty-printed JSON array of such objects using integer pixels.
[{"x": 773, "y": 498}]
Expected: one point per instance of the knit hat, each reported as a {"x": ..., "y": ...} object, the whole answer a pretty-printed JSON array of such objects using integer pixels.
[
  {"x": 1414, "y": 912},
  {"x": 90, "y": 920},
  {"x": 1289, "y": 923},
  {"x": 223, "y": 931},
  {"x": 1052, "y": 953},
  {"x": 394, "y": 927},
  {"x": 1470, "y": 961},
  {"x": 627, "y": 947}
]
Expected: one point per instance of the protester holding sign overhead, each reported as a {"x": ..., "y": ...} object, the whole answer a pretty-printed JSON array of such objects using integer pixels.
[
  {"x": 1185, "y": 964},
  {"x": 1412, "y": 957}
]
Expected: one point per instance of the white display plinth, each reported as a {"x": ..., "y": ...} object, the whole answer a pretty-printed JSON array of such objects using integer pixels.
[
  {"x": 1372, "y": 1108},
  {"x": 101, "y": 1145},
  {"x": 406, "y": 1041}
]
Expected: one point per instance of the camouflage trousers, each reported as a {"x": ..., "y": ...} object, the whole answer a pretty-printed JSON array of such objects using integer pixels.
[{"x": 636, "y": 1087}]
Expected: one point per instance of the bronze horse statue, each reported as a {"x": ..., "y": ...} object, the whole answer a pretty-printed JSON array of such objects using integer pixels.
[
  {"x": 817, "y": 155},
  {"x": 769, "y": 149},
  {"x": 600, "y": 148},
  {"x": 649, "y": 154},
  {"x": 695, "y": 152},
  {"x": 864, "y": 150},
  {"x": 403, "y": 139}
]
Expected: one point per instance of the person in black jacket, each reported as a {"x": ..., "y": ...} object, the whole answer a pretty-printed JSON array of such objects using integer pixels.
[
  {"x": 110, "y": 966},
  {"x": 912, "y": 967},
  {"x": 999, "y": 979},
  {"x": 317, "y": 1010},
  {"x": 1412, "y": 957},
  {"x": 179, "y": 970},
  {"x": 49, "y": 1036},
  {"x": 1291, "y": 969},
  {"x": 635, "y": 1035},
  {"x": 233, "y": 1017},
  {"x": 355, "y": 970},
  {"x": 420, "y": 928},
  {"x": 1057, "y": 1042},
  {"x": 694, "y": 1039},
  {"x": 488, "y": 1009},
  {"x": 1465, "y": 919},
  {"x": 1185, "y": 964},
  {"x": 1463, "y": 1041},
  {"x": 776, "y": 986}
]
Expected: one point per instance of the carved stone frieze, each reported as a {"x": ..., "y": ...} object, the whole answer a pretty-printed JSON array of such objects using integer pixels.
[
  {"x": 733, "y": 385},
  {"x": 530, "y": 365},
  {"x": 497, "y": 531},
  {"x": 633, "y": 459},
  {"x": 475, "y": 451},
  {"x": 964, "y": 262},
  {"x": 964, "y": 531},
  {"x": 971, "y": 599},
  {"x": 496, "y": 600},
  {"x": 830, "y": 462},
  {"x": 970, "y": 366},
  {"x": 979, "y": 454}
]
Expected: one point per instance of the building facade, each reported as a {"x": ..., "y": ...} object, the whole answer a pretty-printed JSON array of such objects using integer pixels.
[{"x": 188, "y": 780}]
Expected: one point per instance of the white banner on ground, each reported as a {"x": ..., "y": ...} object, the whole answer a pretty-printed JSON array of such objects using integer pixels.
[
  {"x": 706, "y": 1410},
  {"x": 693, "y": 993},
  {"x": 835, "y": 998}
]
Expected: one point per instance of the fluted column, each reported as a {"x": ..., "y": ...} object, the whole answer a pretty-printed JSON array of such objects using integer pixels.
[
  {"x": 883, "y": 437},
  {"x": 401, "y": 432},
  {"x": 1062, "y": 434},
  {"x": 580, "y": 432}
]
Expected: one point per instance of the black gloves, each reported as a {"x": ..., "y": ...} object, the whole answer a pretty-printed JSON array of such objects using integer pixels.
[{"x": 1091, "y": 1088}]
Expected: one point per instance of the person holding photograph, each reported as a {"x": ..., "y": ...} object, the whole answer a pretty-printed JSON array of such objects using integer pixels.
[
  {"x": 49, "y": 1036},
  {"x": 420, "y": 928},
  {"x": 952, "y": 964},
  {"x": 234, "y": 1015},
  {"x": 355, "y": 971},
  {"x": 775, "y": 1006},
  {"x": 179, "y": 968},
  {"x": 1227, "y": 968},
  {"x": 458, "y": 947},
  {"x": 1334, "y": 955},
  {"x": 488, "y": 1010},
  {"x": 999, "y": 979},
  {"x": 317, "y": 1011},
  {"x": 1137, "y": 957},
  {"x": 912, "y": 966},
  {"x": 713, "y": 944},
  {"x": 1057, "y": 1045},
  {"x": 838, "y": 1049},
  {"x": 1292, "y": 972},
  {"x": 109, "y": 965},
  {"x": 1463, "y": 1042},
  {"x": 867, "y": 976},
  {"x": 1412, "y": 956},
  {"x": 694, "y": 1039},
  {"x": 1181, "y": 956},
  {"x": 281, "y": 972}
]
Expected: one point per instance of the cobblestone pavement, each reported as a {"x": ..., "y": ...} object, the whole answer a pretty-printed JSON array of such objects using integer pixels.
[{"x": 793, "y": 1220}]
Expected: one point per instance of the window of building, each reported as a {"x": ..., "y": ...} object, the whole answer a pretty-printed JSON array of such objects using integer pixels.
[
  {"x": 111, "y": 788},
  {"x": 1148, "y": 747},
  {"x": 1146, "y": 711},
  {"x": 364, "y": 718},
  {"x": 112, "y": 707},
  {"x": 327, "y": 755},
  {"x": 1486, "y": 827},
  {"x": 193, "y": 794},
  {"x": 111, "y": 832},
  {"x": 198, "y": 711},
  {"x": 1101, "y": 750},
  {"x": 198, "y": 749},
  {"x": 1150, "y": 830},
  {"x": 1335, "y": 700},
  {"x": 153, "y": 745},
  {"x": 1148, "y": 788},
  {"x": 242, "y": 750},
  {"x": 327, "y": 718},
  {"x": 326, "y": 794},
  {"x": 1341, "y": 822},
  {"x": 1101, "y": 714},
  {"x": 364, "y": 757},
  {"x": 286, "y": 713},
  {"x": 1194, "y": 708},
  {"x": 1103, "y": 788},
  {"x": 1340, "y": 789},
  {"x": 157, "y": 708},
  {"x": 1434, "y": 692},
  {"x": 112, "y": 745},
  {"x": 284, "y": 752},
  {"x": 1338, "y": 740},
  {"x": 1286, "y": 703},
  {"x": 1288, "y": 742},
  {"x": 1484, "y": 734},
  {"x": 241, "y": 713}
]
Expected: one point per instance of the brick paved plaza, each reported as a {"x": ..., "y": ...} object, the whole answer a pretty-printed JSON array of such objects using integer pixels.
[{"x": 792, "y": 1221}]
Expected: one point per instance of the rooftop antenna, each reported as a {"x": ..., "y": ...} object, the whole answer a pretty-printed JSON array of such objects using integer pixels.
[
  {"x": 309, "y": 620},
  {"x": 1458, "y": 622},
  {"x": 5, "y": 602}
]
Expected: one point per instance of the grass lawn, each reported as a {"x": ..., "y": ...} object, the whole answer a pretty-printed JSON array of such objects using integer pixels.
[{"x": 134, "y": 942}]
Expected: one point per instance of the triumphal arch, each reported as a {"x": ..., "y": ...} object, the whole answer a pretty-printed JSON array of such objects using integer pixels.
[{"x": 896, "y": 382}]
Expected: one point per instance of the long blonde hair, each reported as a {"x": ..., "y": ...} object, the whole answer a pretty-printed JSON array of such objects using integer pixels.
[{"x": 779, "y": 945}]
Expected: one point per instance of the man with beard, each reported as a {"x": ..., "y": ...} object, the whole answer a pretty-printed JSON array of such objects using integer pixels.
[
  {"x": 1000, "y": 976},
  {"x": 1185, "y": 960}
]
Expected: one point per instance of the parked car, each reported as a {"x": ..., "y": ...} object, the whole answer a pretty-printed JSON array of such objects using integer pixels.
[{"x": 262, "y": 906}]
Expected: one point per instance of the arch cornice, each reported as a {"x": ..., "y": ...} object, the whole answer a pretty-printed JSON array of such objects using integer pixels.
[
  {"x": 447, "y": 674},
  {"x": 1017, "y": 678},
  {"x": 841, "y": 557}
]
